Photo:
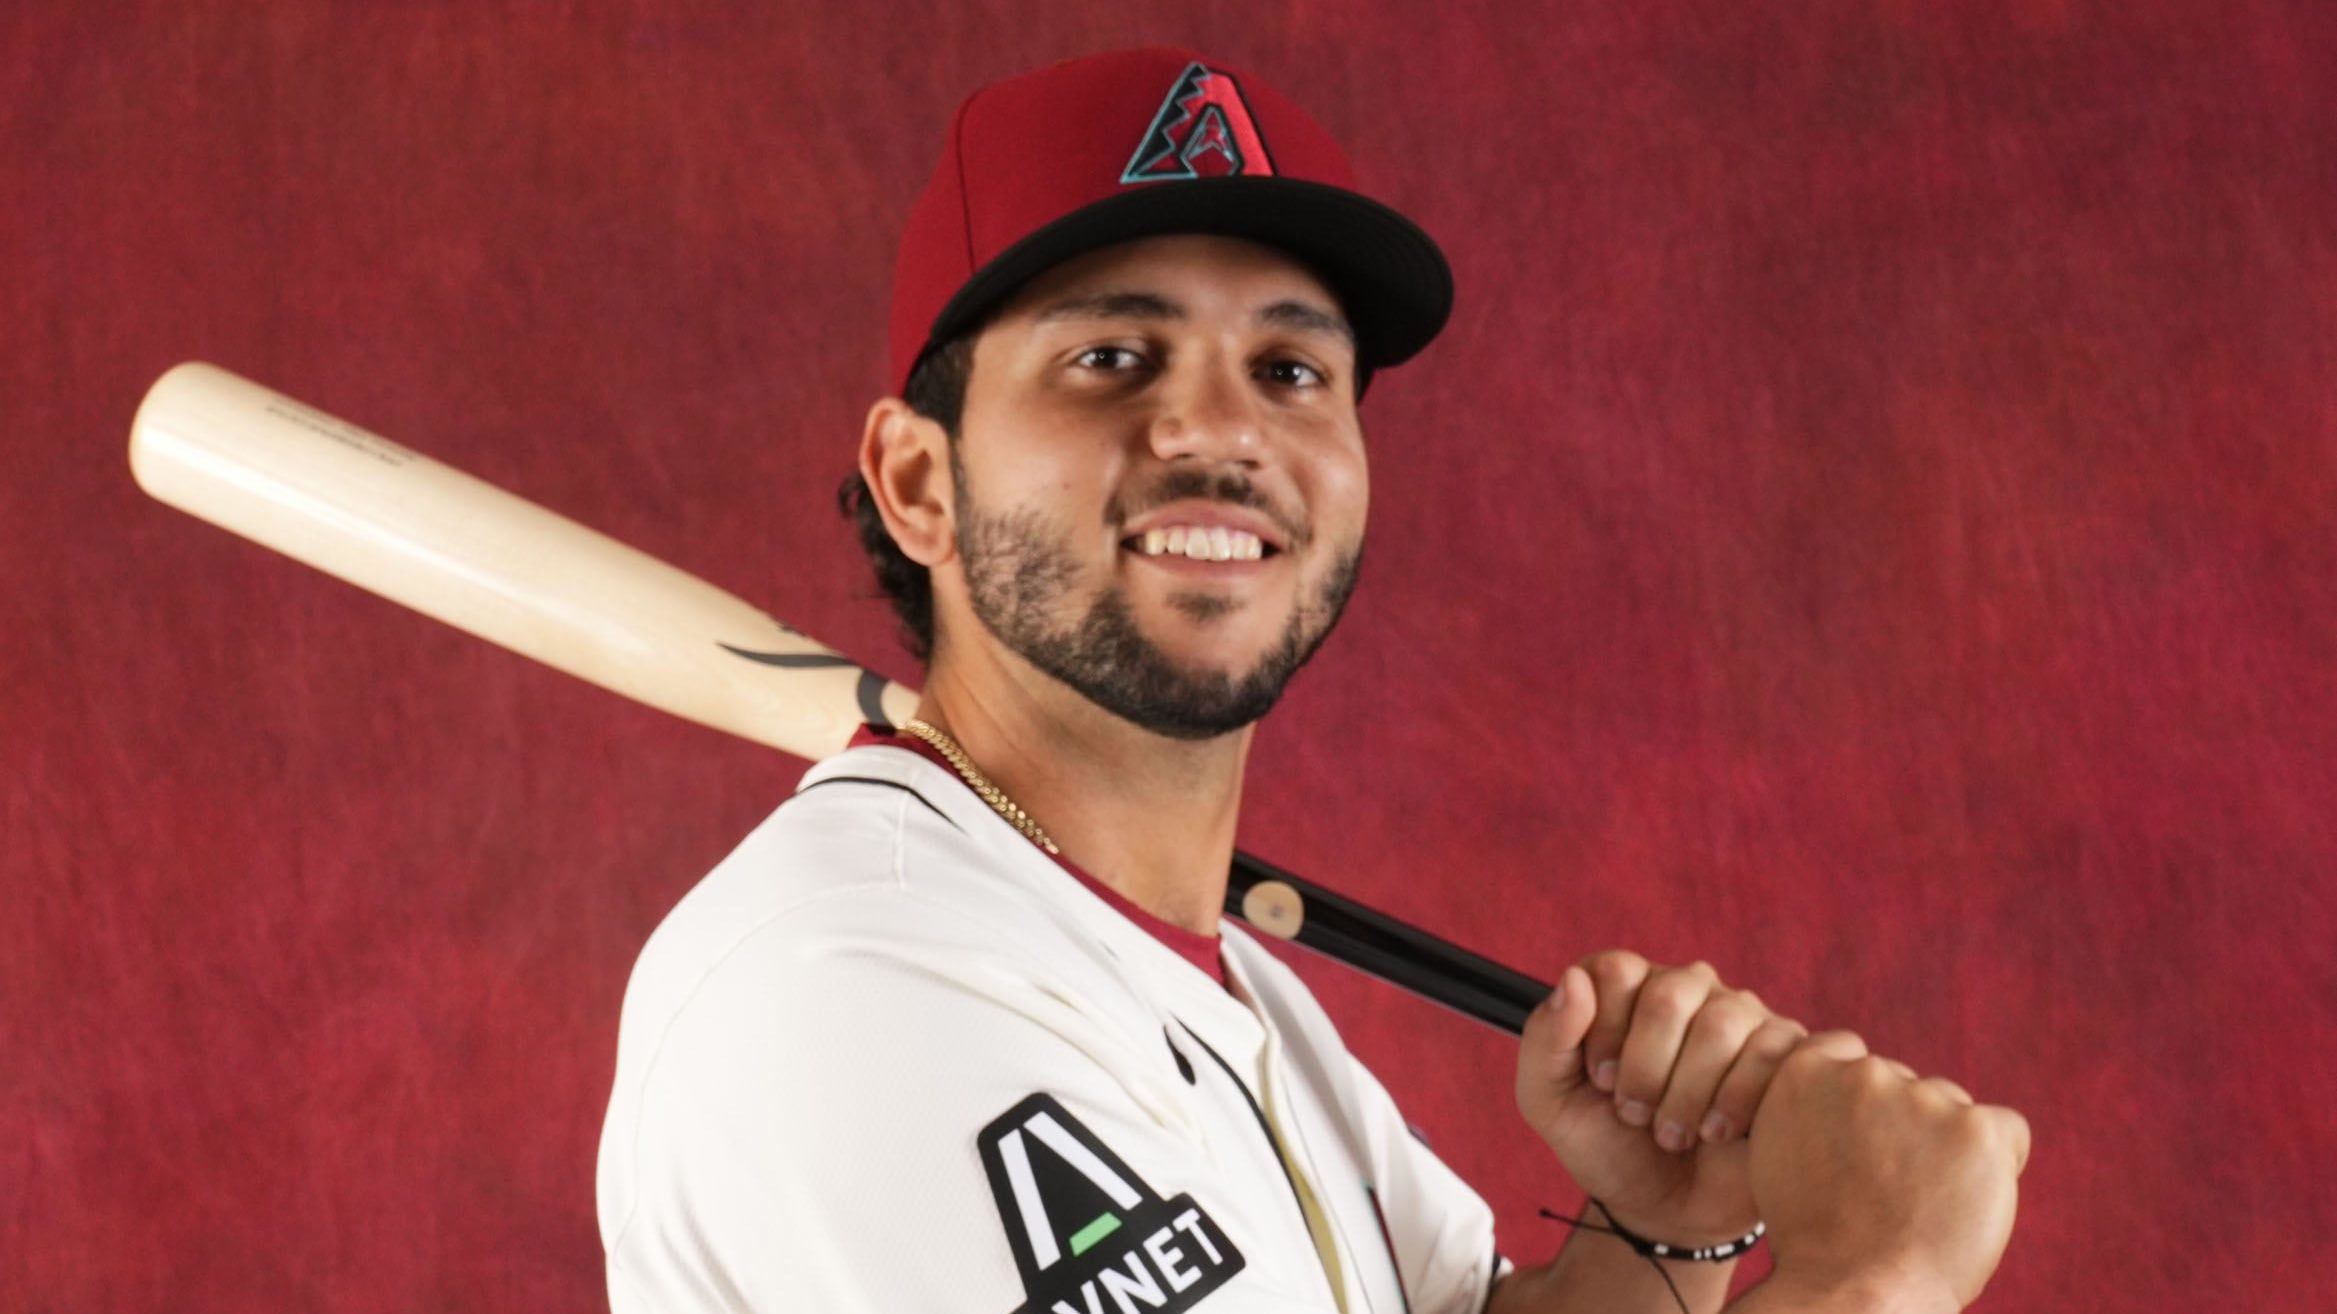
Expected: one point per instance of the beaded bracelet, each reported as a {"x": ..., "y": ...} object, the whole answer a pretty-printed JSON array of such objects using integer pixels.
[
  {"x": 1660, "y": 1250},
  {"x": 1655, "y": 1251}
]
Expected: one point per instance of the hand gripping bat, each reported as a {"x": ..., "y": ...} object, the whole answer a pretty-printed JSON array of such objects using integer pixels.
[{"x": 385, "y": 518}]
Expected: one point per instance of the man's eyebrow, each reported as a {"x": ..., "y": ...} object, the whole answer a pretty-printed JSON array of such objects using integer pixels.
[
  {"x": 1304, "y": 316},
  {"x": 1307, "y": 317},
  {"x": 1112, "y": 305}
]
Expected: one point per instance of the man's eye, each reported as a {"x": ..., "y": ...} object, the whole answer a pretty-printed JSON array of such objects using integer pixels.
[
  {"x": 1293, "y": 373},
  {"x": 1110, "y": 358}
]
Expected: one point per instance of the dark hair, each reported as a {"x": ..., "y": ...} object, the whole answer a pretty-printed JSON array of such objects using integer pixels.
[{"x": 936, "y": 390}]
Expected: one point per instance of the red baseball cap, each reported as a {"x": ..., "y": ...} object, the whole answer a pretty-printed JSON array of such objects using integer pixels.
[{"x": 1136, "y": 143}]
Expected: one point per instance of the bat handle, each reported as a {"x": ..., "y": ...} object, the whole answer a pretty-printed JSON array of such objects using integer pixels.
[{"x": 1287, "y": 907}]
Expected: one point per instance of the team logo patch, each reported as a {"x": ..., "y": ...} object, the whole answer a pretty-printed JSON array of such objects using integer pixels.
[
  {"x": 1088, "y": 1235},
  {"x": 1203, "y": 130}
]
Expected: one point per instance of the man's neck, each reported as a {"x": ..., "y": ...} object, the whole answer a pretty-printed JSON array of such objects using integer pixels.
[{"x": 1149, "y": 816}]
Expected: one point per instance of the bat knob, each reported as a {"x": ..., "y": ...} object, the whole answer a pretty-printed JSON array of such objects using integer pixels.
[{"x": 1274, "y": 908}]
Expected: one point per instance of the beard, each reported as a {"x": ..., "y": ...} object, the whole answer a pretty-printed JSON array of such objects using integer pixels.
[{"x": 1020, "y": 569}]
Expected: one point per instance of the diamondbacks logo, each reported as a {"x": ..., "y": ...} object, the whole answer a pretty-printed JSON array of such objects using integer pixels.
[
  {"x": 1203, "y": 130},
  {"x": 1088, "y": 1236}
]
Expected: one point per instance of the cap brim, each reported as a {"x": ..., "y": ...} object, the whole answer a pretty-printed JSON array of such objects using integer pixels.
[{"x": 1388, "y": 275}]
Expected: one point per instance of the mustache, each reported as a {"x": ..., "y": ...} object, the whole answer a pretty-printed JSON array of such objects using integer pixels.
[{"x": 1231, "y": 487}]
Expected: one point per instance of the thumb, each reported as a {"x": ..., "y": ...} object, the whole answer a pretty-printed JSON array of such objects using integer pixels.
[{"x": 1554, "y": 1034}]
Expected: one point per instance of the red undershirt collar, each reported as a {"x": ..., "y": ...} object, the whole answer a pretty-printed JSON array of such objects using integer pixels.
[{"x": 1202, "y": 951}]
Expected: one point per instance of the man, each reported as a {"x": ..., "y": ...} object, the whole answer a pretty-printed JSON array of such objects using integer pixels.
[{"x": 960, "y": 1028}]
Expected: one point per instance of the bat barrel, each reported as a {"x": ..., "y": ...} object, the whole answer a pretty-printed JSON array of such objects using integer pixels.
[{"x": 387, "y": 518}]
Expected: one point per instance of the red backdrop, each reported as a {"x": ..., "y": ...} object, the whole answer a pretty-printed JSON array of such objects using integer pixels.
[{"x": 1867, "y": 526}]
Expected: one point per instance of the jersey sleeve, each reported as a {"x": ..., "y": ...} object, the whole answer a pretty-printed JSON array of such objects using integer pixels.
[{"x": 865, "y": 1106}]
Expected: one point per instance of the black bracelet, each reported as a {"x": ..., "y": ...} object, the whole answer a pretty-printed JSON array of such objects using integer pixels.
[
  {"x": 1661, "y": 1250},
  {"x": 1656, "y": 1251}
]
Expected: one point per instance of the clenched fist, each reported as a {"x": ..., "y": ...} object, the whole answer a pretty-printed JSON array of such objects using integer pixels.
[{"x": 1873, "y": 1179}]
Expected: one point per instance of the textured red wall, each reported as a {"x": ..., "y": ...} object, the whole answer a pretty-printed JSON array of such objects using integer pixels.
[{"x": 1867, "y": 525}]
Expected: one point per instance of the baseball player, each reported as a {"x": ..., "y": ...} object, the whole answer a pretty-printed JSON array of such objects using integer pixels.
[{"x": 960, "y": 1027}]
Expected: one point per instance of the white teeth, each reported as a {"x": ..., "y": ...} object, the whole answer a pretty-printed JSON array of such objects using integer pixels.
[{"x": 1202, "y": 543}]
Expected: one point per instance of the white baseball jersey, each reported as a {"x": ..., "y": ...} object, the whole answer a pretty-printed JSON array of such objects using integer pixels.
[{"x": 892, "y": 1056}]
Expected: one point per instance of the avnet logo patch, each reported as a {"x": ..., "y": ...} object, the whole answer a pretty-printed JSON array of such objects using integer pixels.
[{"x": 1088, "y": 1235}]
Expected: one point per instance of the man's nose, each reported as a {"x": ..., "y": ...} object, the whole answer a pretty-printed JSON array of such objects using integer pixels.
[{"x": 1209, "y": 412}]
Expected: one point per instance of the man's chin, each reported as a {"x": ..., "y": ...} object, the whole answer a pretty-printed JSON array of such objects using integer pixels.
[
  {"x": 1212, "y": 668},
  {"x": 1194, "y": 719},
  {"x": 1189, "y": 695}
]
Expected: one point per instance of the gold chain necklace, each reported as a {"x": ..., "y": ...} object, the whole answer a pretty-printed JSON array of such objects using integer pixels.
[{"x": 991, "y": 794}]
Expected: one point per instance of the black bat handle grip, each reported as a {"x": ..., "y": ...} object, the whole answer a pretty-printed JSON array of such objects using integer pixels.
[{"x": 1396, "y": 952}]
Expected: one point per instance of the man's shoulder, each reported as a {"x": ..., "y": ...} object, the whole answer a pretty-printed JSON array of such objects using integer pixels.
[
  {"x": 860, "y": 838},
  {"x": 865, "y": 859}
]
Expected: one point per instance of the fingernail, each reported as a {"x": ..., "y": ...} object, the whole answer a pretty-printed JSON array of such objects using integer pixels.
[
  {"x": 1635, "y": 1112},
  {"x": 1672, "y": 1136},
  {"x": 1715, "y": 1128},
  {"x": 1603, "y": 1076}
]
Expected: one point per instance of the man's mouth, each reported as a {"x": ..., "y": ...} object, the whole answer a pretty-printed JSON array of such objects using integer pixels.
[{"x": 1200, "y": 543}]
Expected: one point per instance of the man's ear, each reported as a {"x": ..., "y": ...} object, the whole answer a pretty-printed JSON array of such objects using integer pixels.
[{"x": 905, "y": 458}]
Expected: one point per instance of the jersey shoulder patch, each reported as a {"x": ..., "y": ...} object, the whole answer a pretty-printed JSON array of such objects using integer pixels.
[{"x": 1088, "y": 1236}]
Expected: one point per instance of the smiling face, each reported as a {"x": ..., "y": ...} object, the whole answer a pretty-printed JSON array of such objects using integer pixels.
[{"x": 1160, "y": 478}]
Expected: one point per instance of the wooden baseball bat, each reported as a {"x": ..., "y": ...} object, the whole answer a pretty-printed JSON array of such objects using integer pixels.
[{"x": 388, "y": 519}]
